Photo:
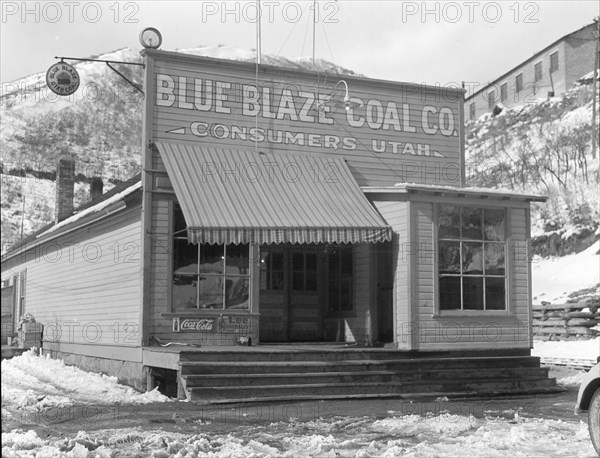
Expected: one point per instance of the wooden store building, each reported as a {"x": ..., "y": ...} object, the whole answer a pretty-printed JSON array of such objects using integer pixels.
[{"x": 287, "y": 216}]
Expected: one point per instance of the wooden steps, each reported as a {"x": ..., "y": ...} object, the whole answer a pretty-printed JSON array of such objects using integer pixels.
[{"x": 221, "y": 376}]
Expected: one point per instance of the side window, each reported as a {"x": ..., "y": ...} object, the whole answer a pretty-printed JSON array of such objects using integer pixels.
[{"x": 471, "y": 258}]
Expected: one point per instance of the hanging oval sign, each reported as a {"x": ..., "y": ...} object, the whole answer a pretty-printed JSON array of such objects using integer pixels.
[{"x": 62, "y": 79}]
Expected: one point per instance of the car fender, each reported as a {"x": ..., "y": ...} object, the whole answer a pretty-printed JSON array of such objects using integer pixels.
[{"x": 588, "y": 386}]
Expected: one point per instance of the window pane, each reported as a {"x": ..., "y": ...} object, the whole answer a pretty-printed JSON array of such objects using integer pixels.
[
  {"x": 449, "y": 257},
  {"x": 211, "y": 292},
  {"x": 471, "y": 223},
  {"x": 236, "y": 292},
  {"x": 179, "y": 221},
  {"x": 237, "y": 260},
  {"x": 472, "y": 293},
  {"x": 449, "y": 293},
  {"x": 448, "y": 222},
  {"x": 472, "y": 258},
  {"x": 495, "y": 294},
  {"x": 494, "y": 227},
  {"x": 495, "y": 263},
  {"x": 184, "y": 291},
  {"x": 211, "y": 259},
  {"x": 185, "y": 257}
]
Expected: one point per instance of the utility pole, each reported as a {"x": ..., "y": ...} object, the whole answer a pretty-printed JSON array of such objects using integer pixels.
[{"x": 596, "y": 34}]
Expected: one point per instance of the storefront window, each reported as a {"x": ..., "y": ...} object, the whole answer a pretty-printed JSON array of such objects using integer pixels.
[
  {"x": 471, "y": 258},
  {"x": 340, "y": 279},
  {"x": 208, "y": 276}
]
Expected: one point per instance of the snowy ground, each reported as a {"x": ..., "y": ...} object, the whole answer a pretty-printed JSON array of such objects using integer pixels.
[
  {"x": 554, "y": 278},
  {"x": 35, "y": 391},
  {"x": 33, "y": 383},
  {"x": 396, "y": 435},
  {"x": 576, "y": 349}
]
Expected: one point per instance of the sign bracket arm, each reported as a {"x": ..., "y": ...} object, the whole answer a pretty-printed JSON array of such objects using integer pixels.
[{"x": 108, "y": 63}]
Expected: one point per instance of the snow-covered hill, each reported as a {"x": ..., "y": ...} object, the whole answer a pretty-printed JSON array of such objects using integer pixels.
[
  {"x": 545, "y": 148},
  {"x": 100, "y": 124}
]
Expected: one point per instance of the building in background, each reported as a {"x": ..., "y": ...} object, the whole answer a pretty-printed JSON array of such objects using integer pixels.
[{"x": 550, "y": 72}]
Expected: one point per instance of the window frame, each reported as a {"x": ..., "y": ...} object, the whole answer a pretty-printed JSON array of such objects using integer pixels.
[
  {"x": 503, "y": 92},
  {"x": 538, "y": 71},
  {"x": 519, "y": 82},
  {"x": 553, "y": 56},
  {"x": 508, "y": 310},
  {"x": 173, "y": 236},
  {"x": 492, "y": 101},
  {"x": 472, "y": 110}
]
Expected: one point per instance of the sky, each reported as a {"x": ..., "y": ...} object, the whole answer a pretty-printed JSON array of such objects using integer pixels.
[{"x": 430, "y": 42}]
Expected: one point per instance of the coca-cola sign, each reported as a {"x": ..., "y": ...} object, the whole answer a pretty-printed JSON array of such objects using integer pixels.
[{"x": 194, "y": 324}]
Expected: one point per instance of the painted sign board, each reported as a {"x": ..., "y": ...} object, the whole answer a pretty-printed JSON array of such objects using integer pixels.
[
  {"x": 387, "y": 132},
  {"x": 62, "y": 79},
  {"x": 223, "y": 324}
]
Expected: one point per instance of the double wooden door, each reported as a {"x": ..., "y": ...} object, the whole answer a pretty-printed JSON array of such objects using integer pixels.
[{"x": 291, "y": 294}]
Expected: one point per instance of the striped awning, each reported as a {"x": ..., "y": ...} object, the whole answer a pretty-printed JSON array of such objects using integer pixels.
[{"x": 232, "y": 196}]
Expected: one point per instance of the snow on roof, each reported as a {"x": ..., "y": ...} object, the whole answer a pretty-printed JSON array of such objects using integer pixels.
[
  {"x": 454, "y": 190},
  {"x": 95, "y": 208}
]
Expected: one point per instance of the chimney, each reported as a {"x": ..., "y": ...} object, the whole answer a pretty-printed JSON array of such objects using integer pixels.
[
  {"x": 65, "y": 184},
  {"x": 96, "y": 188}
]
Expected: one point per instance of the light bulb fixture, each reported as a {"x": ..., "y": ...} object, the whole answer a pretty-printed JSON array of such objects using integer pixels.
[{"x": 345, "y": 103}]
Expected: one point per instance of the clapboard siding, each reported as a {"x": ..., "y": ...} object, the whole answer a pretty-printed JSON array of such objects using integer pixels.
[
  {"x": 396, "y": 214},
  {"x": 85, "y": 286},
  {"x": 468, "y": 331}
]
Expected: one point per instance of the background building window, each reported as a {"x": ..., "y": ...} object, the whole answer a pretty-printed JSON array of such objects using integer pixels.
[
  {"x": 471, "y": 258},
  {"x": 472, "y": 111},
  {"x": 519, "y": 82},
  {"x": 537, "y": 70},
  {"x": 503, "y": 92},
  {"x": 340, "y": 278},
  {"x": 491, "y": 99},
  {"x": 554, "y": 62},
  {"x": 208, "y": 276}
]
